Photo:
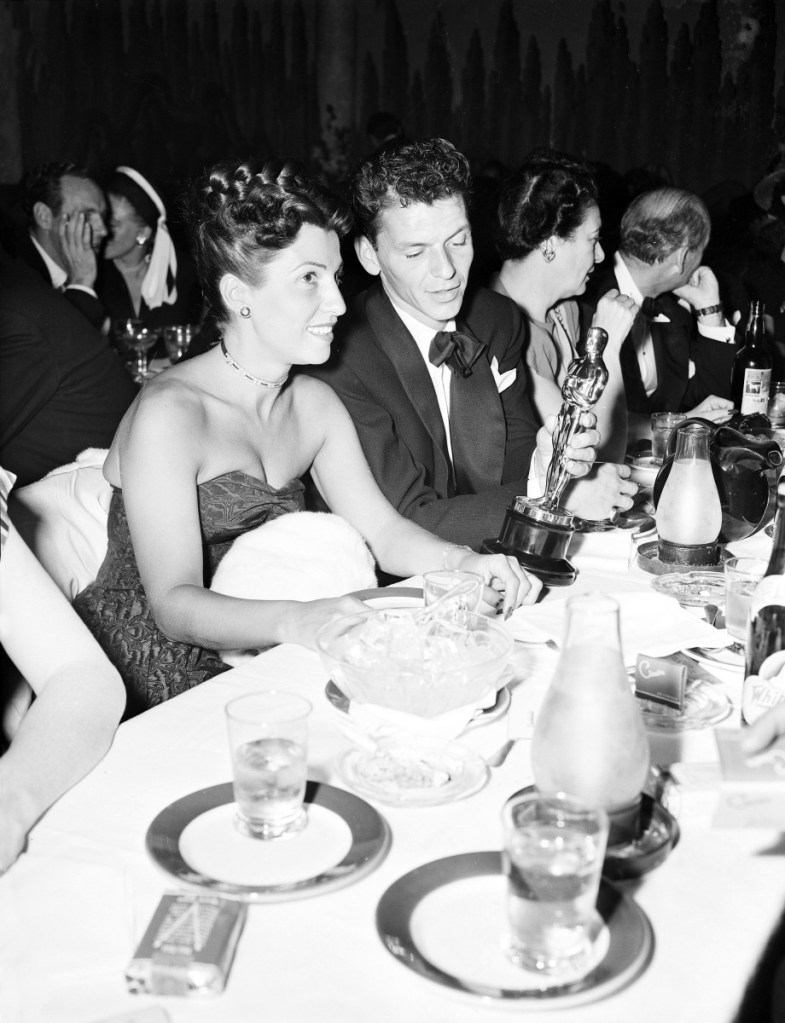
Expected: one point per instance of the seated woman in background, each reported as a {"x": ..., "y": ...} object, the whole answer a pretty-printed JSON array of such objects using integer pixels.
[
  {"x": 79, "y": 695},
  {"x": 240, "y": 432},
  {"x": 548, "y": 237},
  {"x": 143, "y": 277}
]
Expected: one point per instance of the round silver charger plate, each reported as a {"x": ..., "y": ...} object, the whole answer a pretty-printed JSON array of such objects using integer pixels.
[
  {"x": 630, "y": 938},
  {"x": 391, "y": 596},
  {"x": 370, "y": 841}
]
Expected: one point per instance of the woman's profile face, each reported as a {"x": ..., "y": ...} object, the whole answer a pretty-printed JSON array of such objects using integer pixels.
[
  {"x": 294, "y": 309},
  {"x": 577, "y": 255},
  {"x": 125, "y": 225}
]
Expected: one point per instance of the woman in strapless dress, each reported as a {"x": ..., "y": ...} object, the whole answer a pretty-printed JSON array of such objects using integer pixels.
[{"x": 218, "y": 444}]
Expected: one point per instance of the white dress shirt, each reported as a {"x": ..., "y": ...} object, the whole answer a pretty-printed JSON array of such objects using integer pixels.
[{"x": 440, "y": 378}]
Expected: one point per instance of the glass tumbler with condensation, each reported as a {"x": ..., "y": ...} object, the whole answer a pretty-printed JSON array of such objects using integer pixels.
[{"x": 268, "y": 741}]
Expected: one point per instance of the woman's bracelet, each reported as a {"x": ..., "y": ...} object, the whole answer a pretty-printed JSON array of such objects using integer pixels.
[{"x": 452, "y": 547}]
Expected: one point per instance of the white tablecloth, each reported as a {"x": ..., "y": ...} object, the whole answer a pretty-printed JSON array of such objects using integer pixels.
[{"x": 74, "y": 906}]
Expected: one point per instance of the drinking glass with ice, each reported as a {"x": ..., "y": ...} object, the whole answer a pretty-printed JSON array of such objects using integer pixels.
[
  {"x": 268, "y": 740},
  {"x": 554, "y": 845}
]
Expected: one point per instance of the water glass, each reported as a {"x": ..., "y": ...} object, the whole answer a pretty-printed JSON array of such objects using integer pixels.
[
  {"x": 776, "y": 409},
  {"x": 742, "y": 575},
  {"x": 268, "y": 740},
  {"x": 554, "y": 846},
  {"x": 466, "y": 589},
  {"x": 177, "y": 340},
  {"x": 662, "y": 425}
]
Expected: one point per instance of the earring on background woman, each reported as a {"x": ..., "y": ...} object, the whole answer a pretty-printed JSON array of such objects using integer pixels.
[
  {"x": 245, "y": 311},
  {"x": 548, "y": 254}
]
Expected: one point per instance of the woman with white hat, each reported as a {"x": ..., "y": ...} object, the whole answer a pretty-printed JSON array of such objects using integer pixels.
[{"x": 144, "y": 277}]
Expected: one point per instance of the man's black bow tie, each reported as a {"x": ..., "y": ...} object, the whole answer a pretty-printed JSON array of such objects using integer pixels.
[
  {"x": 459, "y": 351},
  {"x": 652, "y": 308}
]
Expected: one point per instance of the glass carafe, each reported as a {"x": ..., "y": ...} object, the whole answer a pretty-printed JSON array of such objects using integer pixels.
[
  {"x": 589, "y": 740},
  {"x": 689, "y": 513}
]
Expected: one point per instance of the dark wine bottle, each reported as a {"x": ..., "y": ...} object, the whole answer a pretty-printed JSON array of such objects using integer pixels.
[
  {"x": 766, "y": 628},
  {"x": 750, "y": 379}
]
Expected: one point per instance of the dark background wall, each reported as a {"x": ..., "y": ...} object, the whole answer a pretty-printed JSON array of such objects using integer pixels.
[{"x": 171, "y": 85}]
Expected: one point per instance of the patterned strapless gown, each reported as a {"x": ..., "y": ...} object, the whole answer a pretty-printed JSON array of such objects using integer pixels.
[{"x": 115, "y": 606}]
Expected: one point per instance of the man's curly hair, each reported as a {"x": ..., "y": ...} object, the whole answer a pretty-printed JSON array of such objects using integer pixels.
[{"x": 421, "y": 171}]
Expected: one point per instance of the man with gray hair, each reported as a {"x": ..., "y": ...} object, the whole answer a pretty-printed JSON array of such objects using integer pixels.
[{"x": 679, "y": 354}]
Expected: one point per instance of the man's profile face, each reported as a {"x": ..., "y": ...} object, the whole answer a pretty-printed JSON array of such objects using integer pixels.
[
  {"x": 80, "y": 195},
  {"x": 423, "y": 253}
]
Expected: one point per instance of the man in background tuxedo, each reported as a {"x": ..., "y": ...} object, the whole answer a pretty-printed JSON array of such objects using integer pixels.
[
  {"x": 432, "y": 375},
  {"x": 66, "y": 227},
  {"x": 62, "y": 388},
  {"x": 679, "y": 353}
]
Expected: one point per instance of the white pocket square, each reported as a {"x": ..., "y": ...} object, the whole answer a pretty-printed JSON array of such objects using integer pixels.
[{"x": 503, "y": 380}]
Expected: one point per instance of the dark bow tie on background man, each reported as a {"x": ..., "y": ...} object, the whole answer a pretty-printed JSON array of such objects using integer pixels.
[
  {"x": 651, "y": 308},
  {"x": 459, "y": 350}
]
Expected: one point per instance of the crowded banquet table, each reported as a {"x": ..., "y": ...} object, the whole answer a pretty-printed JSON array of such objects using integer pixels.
[{"x": 74, "y": 907}]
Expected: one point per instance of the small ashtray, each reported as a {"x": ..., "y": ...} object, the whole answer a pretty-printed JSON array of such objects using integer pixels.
[
  {"x": 659, "y": 833},
  {"x": 692, "y": 589}
]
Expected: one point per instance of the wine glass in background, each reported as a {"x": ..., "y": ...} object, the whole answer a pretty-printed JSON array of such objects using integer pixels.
[
  {"x": 177, "y": 340},
  {"x": 135, "y": 340}
]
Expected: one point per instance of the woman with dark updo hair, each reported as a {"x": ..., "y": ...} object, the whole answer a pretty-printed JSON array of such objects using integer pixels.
[
  {"x": 216, "y": 445},
  {"x": 548, "y": 237}
]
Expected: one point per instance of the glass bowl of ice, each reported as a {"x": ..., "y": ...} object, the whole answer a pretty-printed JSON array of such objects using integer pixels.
[
  {"x": 412, "y": 663},
  {"x": 413, "y": 682}
]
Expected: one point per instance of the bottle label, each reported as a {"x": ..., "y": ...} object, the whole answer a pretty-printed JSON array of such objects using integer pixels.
[
  {"x": 759, "y": 696},
  {"x": 770, "y": 590},
  {"x": 755, "y": 395}
]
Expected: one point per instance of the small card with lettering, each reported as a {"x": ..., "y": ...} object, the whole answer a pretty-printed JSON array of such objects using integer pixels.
[
  {"x": 660, "y": 679},
  {"x": 752, "y": 791}
]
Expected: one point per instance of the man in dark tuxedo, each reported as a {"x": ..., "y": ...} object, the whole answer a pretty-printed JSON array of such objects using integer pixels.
[
  {"x": 62, "y": 388},
  {"x": 434, "y": 379},
  {"x": 679, "y": 353},
  {"x": 66, "y": 226}
]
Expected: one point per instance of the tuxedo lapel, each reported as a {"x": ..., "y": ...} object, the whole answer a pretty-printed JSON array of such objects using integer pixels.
[
  {"x": 477, "y": 427},
  {"x": 400, "y": 348},
  {"x": 671, "y": 354}
]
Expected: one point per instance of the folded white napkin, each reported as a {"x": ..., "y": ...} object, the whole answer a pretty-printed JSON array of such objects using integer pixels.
[
  {"x": 651, "y": 623},
  {"x": 376, "y": 723}
]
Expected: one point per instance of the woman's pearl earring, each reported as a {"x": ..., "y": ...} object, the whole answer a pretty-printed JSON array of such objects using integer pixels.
[
  {"x": 141, "y": 239},
  {"x": 245, "y": 311}
]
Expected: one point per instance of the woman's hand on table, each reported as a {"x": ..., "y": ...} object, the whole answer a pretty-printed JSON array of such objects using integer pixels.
[
  {"x": 507, "y": 585},
  {"x": 771, "y": 726},
  {"x": 300, "y": 621}
]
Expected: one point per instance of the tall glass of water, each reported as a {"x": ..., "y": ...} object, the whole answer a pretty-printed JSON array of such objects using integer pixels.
[
  {"x": 268, "y": 740},
  {"x": 554, "y": 846}
]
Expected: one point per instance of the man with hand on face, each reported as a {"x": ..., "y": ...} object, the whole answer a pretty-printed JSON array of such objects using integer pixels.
[
  {"x": 432, "y": 375},
  {"x": 679, "y": 353},
  {"x": 66, "y": 212}
]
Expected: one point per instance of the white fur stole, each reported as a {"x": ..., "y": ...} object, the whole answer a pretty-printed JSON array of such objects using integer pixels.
[{"x": 298, "y": 556}]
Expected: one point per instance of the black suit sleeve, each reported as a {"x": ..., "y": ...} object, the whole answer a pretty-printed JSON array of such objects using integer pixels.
[
  {"x": 88, "y": 305},
  {"x": 28, "y": 377}
]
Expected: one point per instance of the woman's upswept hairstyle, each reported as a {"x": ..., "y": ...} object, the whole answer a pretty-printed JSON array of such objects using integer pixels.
[
  {"x": 657, "y": 223},
  {"x": 424, "y": 170},
  {"x": 549, "y": 195},
  {"x": 240, "y": 216}
]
